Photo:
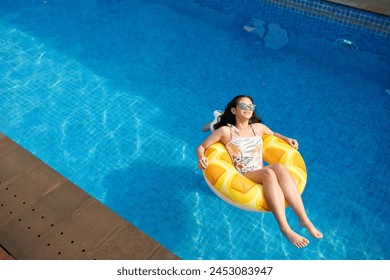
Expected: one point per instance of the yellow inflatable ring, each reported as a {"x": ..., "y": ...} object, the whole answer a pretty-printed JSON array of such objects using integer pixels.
[{"x": 230, "y": 185}]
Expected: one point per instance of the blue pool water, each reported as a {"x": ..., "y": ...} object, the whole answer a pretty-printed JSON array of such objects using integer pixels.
[{"x": 113, "y": 94}]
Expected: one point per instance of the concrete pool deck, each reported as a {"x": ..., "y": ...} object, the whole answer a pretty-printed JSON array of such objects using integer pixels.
[
  {"x": 378, "y": 6},
  {"x": 44, "y": 216}
]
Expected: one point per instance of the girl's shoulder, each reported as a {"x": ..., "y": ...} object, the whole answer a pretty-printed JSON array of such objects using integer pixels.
[
  {"x": 224, "y": 129},
  {"x": 261, "y": 128},
  {"x": 223, "y": 133},
  {"x": 258, "y": 126}
]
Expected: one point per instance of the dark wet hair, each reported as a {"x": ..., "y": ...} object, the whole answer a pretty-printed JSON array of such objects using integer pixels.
[{"x": 229, "y": 118}]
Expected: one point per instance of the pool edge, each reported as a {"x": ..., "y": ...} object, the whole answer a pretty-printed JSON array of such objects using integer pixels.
[{"x": 44, "y": 216}]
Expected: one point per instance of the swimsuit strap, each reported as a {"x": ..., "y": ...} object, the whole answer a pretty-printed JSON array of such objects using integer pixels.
[
  {"x": 234, "y": 130},
  {"x": 254, "y": 131}
]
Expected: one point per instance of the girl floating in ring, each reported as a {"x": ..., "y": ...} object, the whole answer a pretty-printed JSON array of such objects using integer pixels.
[{"x": 240, "y": 130}]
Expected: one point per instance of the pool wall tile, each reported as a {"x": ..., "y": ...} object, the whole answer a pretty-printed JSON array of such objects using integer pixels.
[
  {"x": 349, "y": 16},
  {"x": 352, "y": 17}
]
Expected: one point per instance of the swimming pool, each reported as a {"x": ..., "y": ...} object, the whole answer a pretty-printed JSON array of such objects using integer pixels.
[{"x": 113, "y": 95}]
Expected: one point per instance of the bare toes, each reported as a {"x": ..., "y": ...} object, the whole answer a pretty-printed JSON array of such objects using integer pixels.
[
  {"x": 312, "y": 230},
  {"x": 302, "y": 243},
  {"x": 297, "y": 240}
]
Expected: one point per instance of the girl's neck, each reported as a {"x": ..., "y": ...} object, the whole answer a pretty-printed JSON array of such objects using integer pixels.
[{"x": 243, "y": 125}]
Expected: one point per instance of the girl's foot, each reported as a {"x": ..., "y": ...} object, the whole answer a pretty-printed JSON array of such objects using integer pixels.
[
  {"x": 297, "y": 240},
  {"x": 311, "y": 229}
]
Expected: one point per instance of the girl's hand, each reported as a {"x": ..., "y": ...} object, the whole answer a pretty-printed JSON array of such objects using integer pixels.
[
  {"x": 292, "y": 142},
  {"x": 203, "y": 163}
]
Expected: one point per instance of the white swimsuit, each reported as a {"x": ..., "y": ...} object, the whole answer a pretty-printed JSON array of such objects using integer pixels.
[{"x": 245, "y": 152}]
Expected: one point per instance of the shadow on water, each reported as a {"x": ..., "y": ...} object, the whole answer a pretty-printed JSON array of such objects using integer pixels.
[{"x": 157, "y": 199}]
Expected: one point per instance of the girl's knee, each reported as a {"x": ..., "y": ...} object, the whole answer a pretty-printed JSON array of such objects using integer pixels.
[
  {"x": 278, "y": 168},
  {"x": 269, "y": 174}
]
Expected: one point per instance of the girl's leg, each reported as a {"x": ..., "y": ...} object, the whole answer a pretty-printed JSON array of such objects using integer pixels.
[
  {"x": 293, "y": 197},
  {"x": 275, "y": 199}
]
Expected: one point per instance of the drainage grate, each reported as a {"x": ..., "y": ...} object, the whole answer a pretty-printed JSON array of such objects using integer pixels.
[{"x": 346, "y": 44}]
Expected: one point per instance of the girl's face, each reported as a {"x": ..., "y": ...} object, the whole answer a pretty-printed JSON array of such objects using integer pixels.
[{"x": 244, "y": 108}]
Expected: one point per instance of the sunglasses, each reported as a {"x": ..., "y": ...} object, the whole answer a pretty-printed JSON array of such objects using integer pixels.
[{"x": 244, "y": 106}]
